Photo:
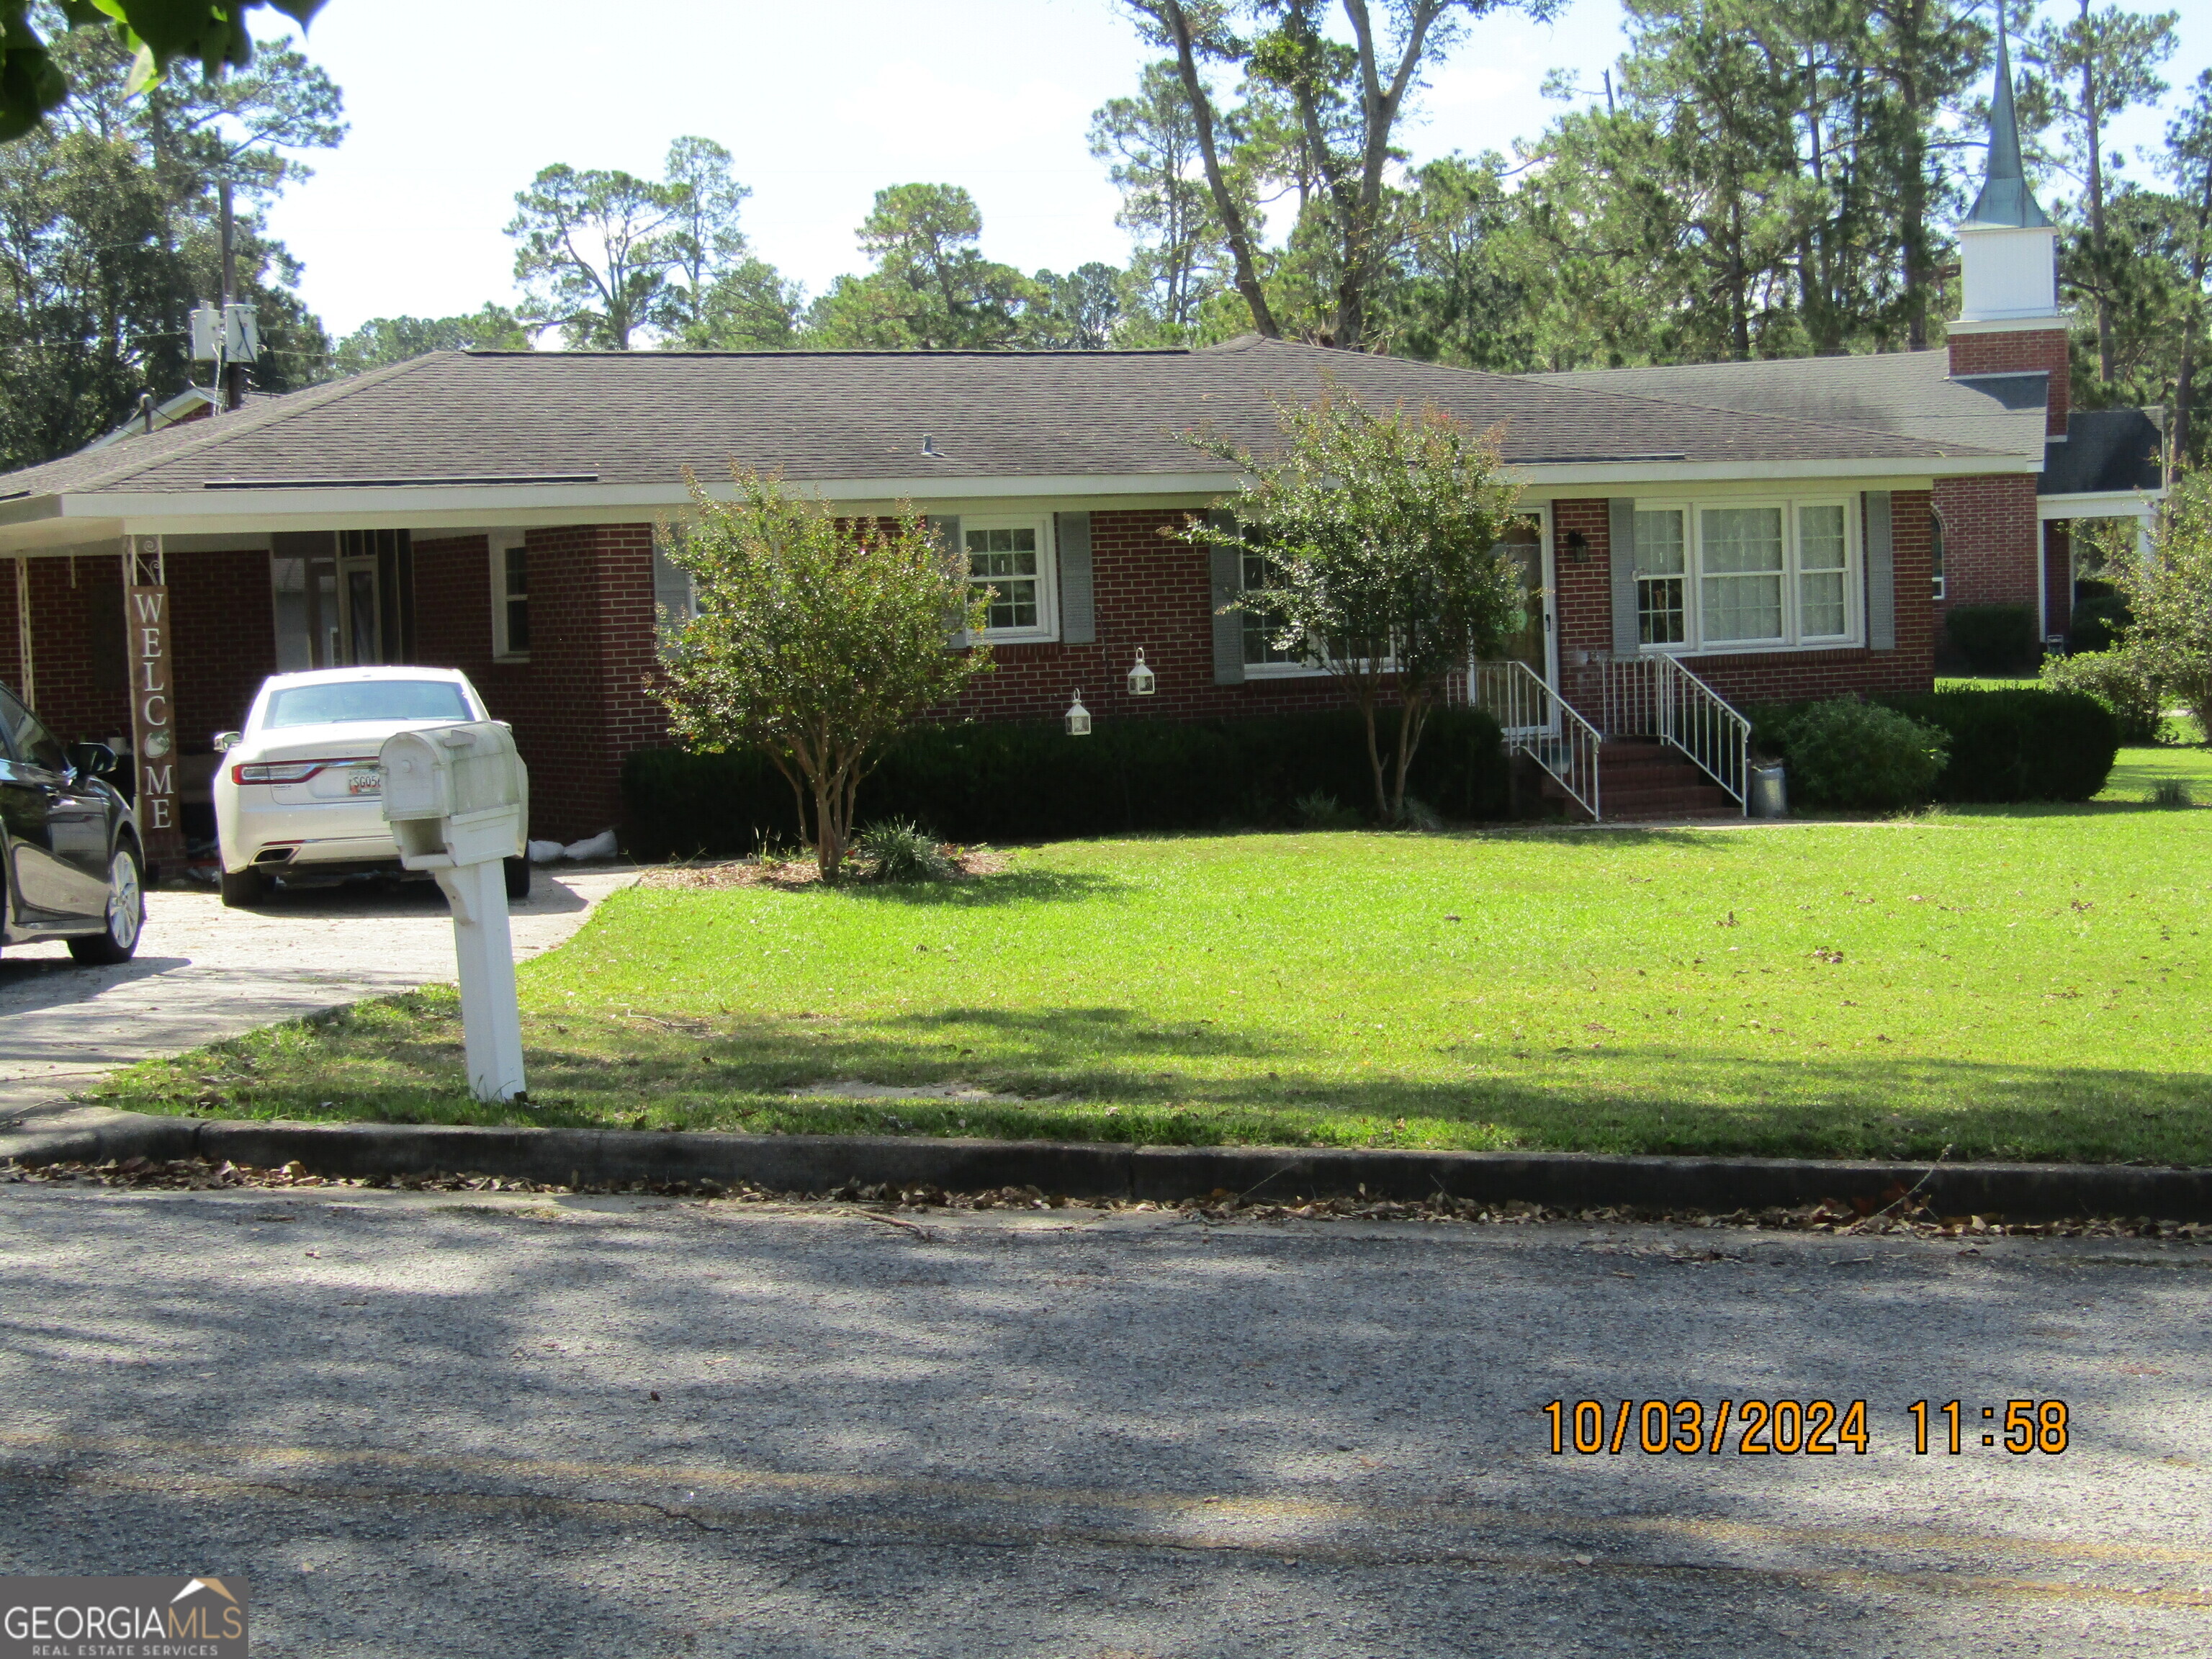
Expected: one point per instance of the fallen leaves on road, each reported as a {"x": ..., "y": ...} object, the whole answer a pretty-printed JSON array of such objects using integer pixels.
[{"x": 1828, "y": 1216}]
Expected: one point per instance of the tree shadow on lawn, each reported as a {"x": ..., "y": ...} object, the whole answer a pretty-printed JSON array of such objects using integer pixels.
[{"x": 1103, "y": 1073}]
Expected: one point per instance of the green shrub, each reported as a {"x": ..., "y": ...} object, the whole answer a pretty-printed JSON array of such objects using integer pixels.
[
  {"x": 1994, "y": 639},
  {"x": 900, "y": 850},
  {"x": 2024, "y": 746},
  {"x": 2171, "y": 791},
  {"x": 1006, "y": 783},
  {"x": 2096, "y": 623},
  {"x": 1854, "y": 755},
  {"x": 2116, "y": 680}
]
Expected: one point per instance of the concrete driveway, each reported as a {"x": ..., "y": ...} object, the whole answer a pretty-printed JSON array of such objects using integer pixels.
[{"x": 203, "y": 973}]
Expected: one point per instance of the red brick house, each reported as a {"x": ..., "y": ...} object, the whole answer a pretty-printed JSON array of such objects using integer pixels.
[{"x": 1780, "y": 530}]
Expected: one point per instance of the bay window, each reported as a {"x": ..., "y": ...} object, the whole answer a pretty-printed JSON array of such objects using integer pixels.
[{"x": 1746, "y": 575}]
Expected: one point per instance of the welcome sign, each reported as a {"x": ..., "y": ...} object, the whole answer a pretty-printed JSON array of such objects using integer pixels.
[
  {"x": 123, "y": 1618},
  {"x": 152, "y": 700}
]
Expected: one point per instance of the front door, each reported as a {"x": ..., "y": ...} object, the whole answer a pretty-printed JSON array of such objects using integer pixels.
[
  {"x": 361, "y": 612},
  {"x": 1535, "y": 641}
]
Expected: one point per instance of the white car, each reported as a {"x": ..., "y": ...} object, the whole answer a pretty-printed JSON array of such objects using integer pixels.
[{"x": 299, "y": 795}]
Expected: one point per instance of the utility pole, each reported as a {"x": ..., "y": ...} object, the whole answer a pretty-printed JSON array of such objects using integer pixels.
[{"x": 233, "y": 372}]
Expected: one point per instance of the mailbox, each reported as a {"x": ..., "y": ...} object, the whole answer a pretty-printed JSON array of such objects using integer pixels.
[
  {"x": 458, "y": 800},
  {"x": 456, "y": 795}
]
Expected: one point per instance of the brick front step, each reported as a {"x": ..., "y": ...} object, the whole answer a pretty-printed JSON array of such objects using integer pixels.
[{"x": 1642, "y": 779}]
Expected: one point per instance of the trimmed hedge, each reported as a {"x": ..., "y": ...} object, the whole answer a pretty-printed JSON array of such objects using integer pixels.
[
  {"x": 2005, "y": 747},
  {"x": 978, "y": 781},
  {"x": 1857, "y": 757},
  {"x": 2023, "y": 745},
  {"x": 1994, "y": 639},
  {"x": 2111, "y": 677}
]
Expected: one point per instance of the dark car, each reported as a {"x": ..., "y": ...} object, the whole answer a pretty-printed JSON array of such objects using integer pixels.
[{"x": 69, "y": 848}]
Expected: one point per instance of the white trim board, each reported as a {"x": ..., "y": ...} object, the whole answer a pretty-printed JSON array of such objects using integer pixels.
[{"x": 2108, "y": 504}]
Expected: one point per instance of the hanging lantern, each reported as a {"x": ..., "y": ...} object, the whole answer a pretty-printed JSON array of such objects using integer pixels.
[
  {"x": 1079, "y": 718},
  {"x": 1141, "y": 682}
]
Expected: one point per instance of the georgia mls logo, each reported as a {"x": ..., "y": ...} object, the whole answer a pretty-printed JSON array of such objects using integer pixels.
[{"x": 122, "y": 1618}]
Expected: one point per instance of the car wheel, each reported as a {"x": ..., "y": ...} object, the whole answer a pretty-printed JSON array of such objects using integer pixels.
[
  {"x": 518, "y": 878},
  {"x": 243, "y": 889},
  {"x": 127, "y": 914}
]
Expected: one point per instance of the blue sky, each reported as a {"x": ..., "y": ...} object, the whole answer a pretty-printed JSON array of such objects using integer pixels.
[{"x": 822, "y": 105}]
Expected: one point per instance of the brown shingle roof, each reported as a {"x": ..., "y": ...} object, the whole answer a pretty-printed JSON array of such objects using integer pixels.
[{"x": 640, "y": 418}]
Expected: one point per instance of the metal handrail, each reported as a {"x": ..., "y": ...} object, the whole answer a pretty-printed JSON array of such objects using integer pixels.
[
  {"x": 1540, "y": 723},
  {"x": 1655, "y": 697}
]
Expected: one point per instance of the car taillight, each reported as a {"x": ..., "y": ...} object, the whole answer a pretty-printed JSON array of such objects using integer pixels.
[
  {"x": 276, "y": 772},
  {"x": 292, "y": 771}
]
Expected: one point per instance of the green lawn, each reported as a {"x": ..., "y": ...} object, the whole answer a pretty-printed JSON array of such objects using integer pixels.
[{"x": 2020, "y": 984}]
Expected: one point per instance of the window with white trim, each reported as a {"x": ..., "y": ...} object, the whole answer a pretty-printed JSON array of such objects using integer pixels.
[
  {"x": 675, "y": 590},
  {"x": 1936, "y": 552},
  {"x": 1262, "y": 625},
  {"x": 1749, "y": 575},
  {"x": 1013, "y": 559},
  {"x": 510, "y": 598},
  {"x": 1662, "y": 605}
]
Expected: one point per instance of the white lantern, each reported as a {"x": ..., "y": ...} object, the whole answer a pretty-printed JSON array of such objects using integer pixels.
[
  {"x": 1079, "y": 718},
  {"x": 1141, "y": 683}
]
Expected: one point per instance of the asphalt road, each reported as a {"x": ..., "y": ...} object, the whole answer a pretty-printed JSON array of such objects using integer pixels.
[{"x": 423, "y": 1426}]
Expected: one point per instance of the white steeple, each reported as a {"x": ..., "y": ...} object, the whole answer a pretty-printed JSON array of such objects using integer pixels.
[{"x": 2007, "y": 246}]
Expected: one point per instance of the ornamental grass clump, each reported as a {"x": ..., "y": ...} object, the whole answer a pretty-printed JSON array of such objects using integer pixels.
[
  {"x": 900, "y": 850},
  {"x": 816, "y": 640}
]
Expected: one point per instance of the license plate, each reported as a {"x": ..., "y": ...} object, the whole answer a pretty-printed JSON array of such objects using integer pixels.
[{"x": 366, "y": 781}]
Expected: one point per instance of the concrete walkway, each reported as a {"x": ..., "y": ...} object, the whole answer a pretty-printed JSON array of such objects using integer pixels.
[{"x": 203, "y": 973}]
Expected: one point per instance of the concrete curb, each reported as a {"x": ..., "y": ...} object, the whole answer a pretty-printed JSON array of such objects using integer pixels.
[{"x": 1107, "y": 1170}]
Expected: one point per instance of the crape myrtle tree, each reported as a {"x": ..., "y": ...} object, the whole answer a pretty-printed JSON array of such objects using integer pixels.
[
  {"x": 814, "y": 640},
  {"x": 1379, "y": 537},
  {"x": 2168, "y": 638}
]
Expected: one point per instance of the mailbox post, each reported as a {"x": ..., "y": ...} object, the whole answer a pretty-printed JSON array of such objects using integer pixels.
[{"x": 458, "y": 800}]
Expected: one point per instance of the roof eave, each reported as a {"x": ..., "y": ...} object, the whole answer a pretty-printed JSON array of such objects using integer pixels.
[{"x": 73, "y": 518}]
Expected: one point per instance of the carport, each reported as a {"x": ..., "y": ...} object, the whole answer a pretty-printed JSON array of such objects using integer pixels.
[{"x": 148, "y": 585}]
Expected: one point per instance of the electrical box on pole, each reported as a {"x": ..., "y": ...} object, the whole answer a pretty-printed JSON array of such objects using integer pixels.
[
  {"x": 206, "y": 334},
  {"x": 242, "y": 334},
  {"x": 458, "y": 800}
]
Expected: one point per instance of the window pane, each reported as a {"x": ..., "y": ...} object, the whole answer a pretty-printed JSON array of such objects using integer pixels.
[
  {"x": 1659, "y": 543},
  {"x": 1820, "y": 604},
  {"x": 517, "y": 572},
  {"x": 1004, "y": 560},
  {"x": 1742, "y": 607},
  {"x": 1936, "y": 551},
  {"x": 1821, "y": 544},
  {"x": 1741, "y": 539},
  {"x": 1661, "y": 617},
  {"x": 518, "y": 627}
]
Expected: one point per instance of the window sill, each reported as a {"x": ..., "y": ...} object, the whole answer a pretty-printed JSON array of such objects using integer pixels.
[
  {"x": 506, "y": 658},
  {"x": 1754, "y": 648},
  {"x": 1282, "y": 671}
]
